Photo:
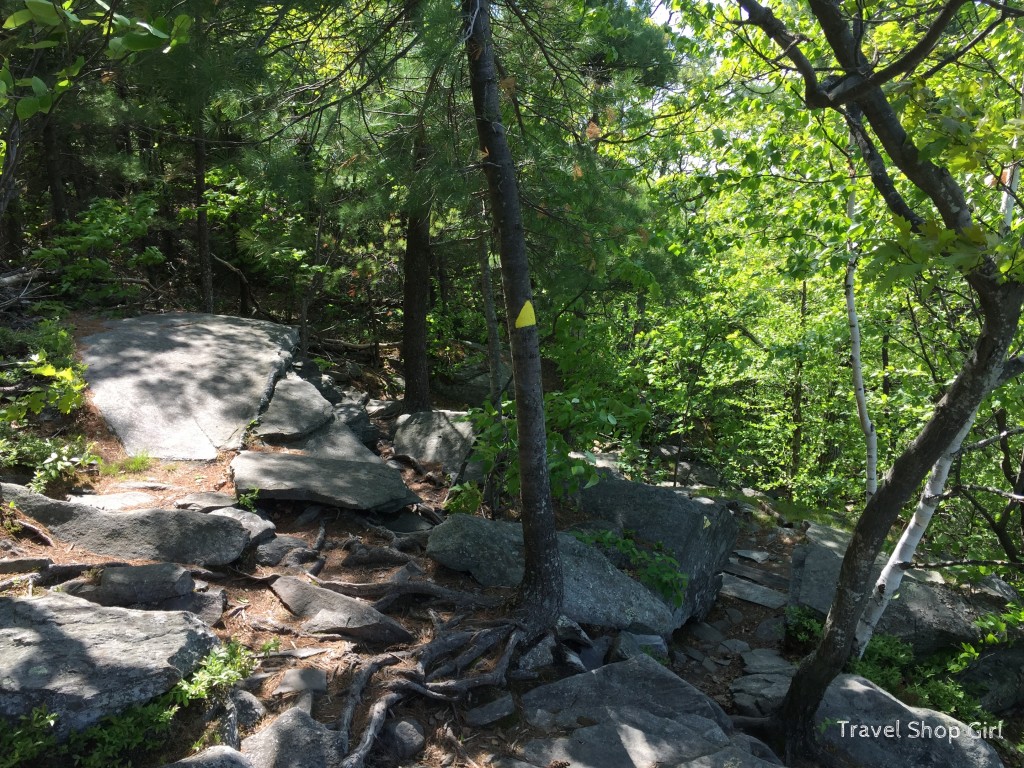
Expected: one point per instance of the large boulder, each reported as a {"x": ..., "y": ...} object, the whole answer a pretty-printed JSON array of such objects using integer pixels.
[
  {"x": 335, "y": 440},
  {"x": 294, "y": 740},
  {"x": 184, "y": 385},
  {"x": 435, "y": 437},
  {"x": 296, "y": 409},
  {"x": 333, "y": 613},
  {"x": 596, "y": 592},
  {"x": 925, "y": 612},
  {"x": 83, "y": 662},
  {"x": 173, "y": 535},
  {"x": 632, "y": 714},
  {"x": 872, "y": 728},
  {"x": 698, "y": 532},
  {"x": 356, "y": 485}
]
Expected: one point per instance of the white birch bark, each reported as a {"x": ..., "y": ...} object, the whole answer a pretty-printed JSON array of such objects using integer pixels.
[{"x": 891, "y": 577}]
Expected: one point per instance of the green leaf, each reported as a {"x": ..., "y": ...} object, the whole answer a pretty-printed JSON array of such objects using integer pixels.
[
  {"x": 27, "y": 107},
  {"x": 39, "y": 87},
  {"x": 138, "y": 41},
  {"x": 43, "y": 12},
  {"x": 41, "y": 44},
  {"x": 17, "y": 18}
]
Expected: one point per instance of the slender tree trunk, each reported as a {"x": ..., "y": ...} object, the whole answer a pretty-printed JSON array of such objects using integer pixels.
[
  {"x": 891, "y": 577},
  {"x": 494, "y": 383},
  {"x": 54, "y": 176},
  {"x": 416, "y": 291},
  {"x": 540, "y": 595},
  {"x": 860, "y": 393},
  {"x": 1001, "y": 306},
  {"x": 202, "y": 221},
  {"x": 12, "y": 155}
]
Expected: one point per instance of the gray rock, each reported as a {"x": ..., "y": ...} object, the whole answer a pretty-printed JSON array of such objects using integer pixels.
[
  {"x": 765, "y": 690},
  {"x": 734, "y": 586},
  {"x": 24, "y": 564},
  {"x": 383, "y": 409},
  {"x": 502, "y": 707},
  {"x": 132, "y": 584},
  {"x": 248, "y": 709},
  {"x": 347, "y": 484},
  {"x": 595, "y": 656},
  {"x": 596, "y": 592},
  {"x": 208, "y": 606},
  {"x": 296, "y": 409},
  {"x": 766, "y": 661},
  {"x": 205, "y": 501},
  {"x": 143, "y": 485},
  {"x": 429, "y": 437},
  {"x": 294, "y": 740},
  {"x": 83, "y": 661},
  {"x": 214, "y": 757},
  {"x": 611, "y": 692},
  {"x": 183, "y": 385},
  {"x": 771, "y": 630},
  {"x": 302, "y": 680},
  {"x": 735, "y": 645},
  {"x": 354, "y": 416},
  {"x": 706, "y": 633},
  {"x": 113, "y": 502},
  {"x": 929, "y": 616},
  {"x": 700, "y": 534},
  {"x": 335, "y": 440},
  {"x": 260, "y": 530},
  {"x": 405, "y": 737},
  {"x": 179, "y": 536},
  {"x": 852, "y": 702},
  {"x": 273, "y": 552},
  {"x": 539, "y": 657},
  {"x": 330, "y": 612},
  {"x": 758, "y": 556},
  {"x": 997, "y": 676}
]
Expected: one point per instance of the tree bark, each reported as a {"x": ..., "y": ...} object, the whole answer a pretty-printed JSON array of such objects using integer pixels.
[
  {"x": 202, "y": 221},
  {"x": 540, "y": 595},
  {"x": 416, "y": 291},
  {"x": 54, "y": 177}
]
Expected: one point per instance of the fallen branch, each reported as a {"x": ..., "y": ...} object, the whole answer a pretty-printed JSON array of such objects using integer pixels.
[
  {"x": 35, "y": 531},
  {"x": 355, "y": 693},
  {"x": 378, "y": 713}
]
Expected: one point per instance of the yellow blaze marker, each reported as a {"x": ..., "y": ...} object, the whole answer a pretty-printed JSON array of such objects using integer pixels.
[{"x": 526, "y": 316}]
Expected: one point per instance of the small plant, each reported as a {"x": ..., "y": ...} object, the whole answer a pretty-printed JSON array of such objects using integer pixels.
[
  {"x": 463, "y": 499},
  {"x": 130, "y": 466},
  {"x": 107, "y": 744},
  {"x": 803, "y": 628},
  {"x": 248, "y": 500},
  {"x": 9, "y": 519},
  {"x": 656, "y": 568},
  {"x": 270, "y": 646}
]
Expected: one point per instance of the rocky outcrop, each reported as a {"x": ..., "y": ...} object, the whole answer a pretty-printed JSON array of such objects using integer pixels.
[
  {"x": 83, "y": 662},
  {"x": 698, "y": 532},
  {"x": 184, "y": 385},
  {"x": 355, "y": 485},
  {"x": 596, "y": 592},
  {"x": 174, "y": 535}
]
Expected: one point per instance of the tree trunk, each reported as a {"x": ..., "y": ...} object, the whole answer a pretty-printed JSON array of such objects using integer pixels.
[
  {"x": 416, "y": 291},
  {"x": 202, "y": 222},
  {"x": 54, "y": 177},
  {"x": 540, "y": 595},
  {"x": 12, "y": 145},
  {"x": 1001, "y": 305}
]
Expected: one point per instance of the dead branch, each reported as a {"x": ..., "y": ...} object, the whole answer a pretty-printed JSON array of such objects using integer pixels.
[{"x": 377, "y": 715}]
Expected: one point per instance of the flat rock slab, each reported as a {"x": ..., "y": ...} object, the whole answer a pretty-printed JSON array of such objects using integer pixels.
[
  {"x": 733, "y": 586},
  {"x": 335, "y": 440},
  {"x": 294, "y": 740},
  {"x": 132, "y": 584},
  {"x": 184, "y": 385},
  {"x": 172, "y": 535},
  {"x": 698, "y": 533},
  {"x": 260, "y": 529},
  {"x": 296, "y": 409},
  {"x": 333, "y": 613},
  {"x": 112, "y": 502},
  {"x": 353, "y": 485},
  {"x": 918, "y": 737},
  {"x": 596, "y": 592},
  {"x": 83, "y": 661},
  {"x": 205, "y": 501},
  {"x": 214, "y": 757},
  {"x": 634, "y": 714}
]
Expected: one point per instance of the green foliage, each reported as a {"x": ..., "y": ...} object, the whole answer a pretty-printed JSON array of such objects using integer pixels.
[
  {"x": 803, "y": 628},
  {"x": 111, "y": 742},
  {"x": 248, "y": 500},
  {"x": 654, "y": 566},
  {"x": 129, "y": 466},
  {"x": 464, "y": 499}
]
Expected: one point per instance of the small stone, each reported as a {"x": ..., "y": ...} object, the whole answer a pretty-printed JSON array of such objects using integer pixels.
[
  {"x": 758, "y": 556},
  {"x": 249, "y": 710},
  {"x": 709, "y": 665},
  {"x": 406, "y": 737},
  {"x": 491, "y": 713},
  {"x": 771, "y": 630},
  {"x": 204, "y": 502},
  {"x": 707, "y": 633},
  {"x": 300, "y": 680},
  {"x": 735, "y": 646},
  {"x": 735, "y": 615}
]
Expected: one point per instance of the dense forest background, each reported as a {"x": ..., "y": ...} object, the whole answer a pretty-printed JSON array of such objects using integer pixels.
[
  {"x": 690, "y": 221},
  {"x": 738, "y": 219}
]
